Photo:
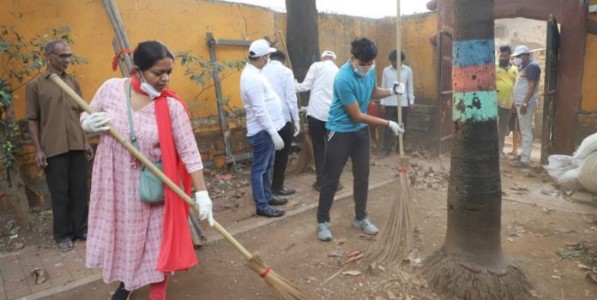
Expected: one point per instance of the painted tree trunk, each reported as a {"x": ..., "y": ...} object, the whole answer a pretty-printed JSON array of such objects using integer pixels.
[
  {"x": 470, "y": 265},
  {"x": 302, "y": 35}
]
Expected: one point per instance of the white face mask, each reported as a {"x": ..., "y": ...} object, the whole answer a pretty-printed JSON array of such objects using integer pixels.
[
  {"x": 359, "y": 71},
  {"x": 517, "y": 61},
  {"x": 362, "y": 71},
  {"x": 149, "y": 89}
]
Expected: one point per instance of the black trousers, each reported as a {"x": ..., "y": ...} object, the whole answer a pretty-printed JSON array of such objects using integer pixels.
[
  {"x": 389, "y": 139},
  {"x": 318, "y": 132},
  {"x": 281, "y": 157},
  {"x": 66, "y": 175},
  {"x": 340, "y": 146}
]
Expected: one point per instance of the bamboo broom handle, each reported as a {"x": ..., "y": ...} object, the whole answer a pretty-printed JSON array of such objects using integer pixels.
[
  {"x": 399, "y": 74},
  {"x": 146, "y": 162}
]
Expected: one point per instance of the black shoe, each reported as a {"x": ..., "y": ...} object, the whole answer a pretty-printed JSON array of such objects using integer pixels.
[
  {"x": 65, "y": 245},
  {"x": 121, "y": 293},
  {"x": 284, "y": 191},
  {"x": 270, "y": 212},
  {"x": 275, "y": 201},
  {"x": 82, "y": 237},
  {"x": 318, "y": 188}
]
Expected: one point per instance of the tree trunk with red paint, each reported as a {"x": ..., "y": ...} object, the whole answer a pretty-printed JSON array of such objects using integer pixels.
[{"x": 470, "y": 264}]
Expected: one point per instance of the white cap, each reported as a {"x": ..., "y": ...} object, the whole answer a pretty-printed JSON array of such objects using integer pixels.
[
  {"x": 328, "y": 53},
  {"x": 260, "y": 48},
  {"x": 521, "y": 49}
]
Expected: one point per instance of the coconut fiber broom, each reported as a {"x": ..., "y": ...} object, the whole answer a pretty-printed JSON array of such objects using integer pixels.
[
  {"x": 395, "y": 241},
  {"x": 284, "y": 288}
]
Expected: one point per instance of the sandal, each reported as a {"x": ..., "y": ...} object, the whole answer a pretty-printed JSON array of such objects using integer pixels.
[{"x": 65, "y": 245}]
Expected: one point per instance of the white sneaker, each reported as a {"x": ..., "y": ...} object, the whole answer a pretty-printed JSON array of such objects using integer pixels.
[
  {"x": 323, "y": 232},
  {"x": 365, "y": 225}
]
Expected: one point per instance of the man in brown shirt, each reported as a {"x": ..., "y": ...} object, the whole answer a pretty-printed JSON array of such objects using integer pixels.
[{"x": 61, "y": 146}]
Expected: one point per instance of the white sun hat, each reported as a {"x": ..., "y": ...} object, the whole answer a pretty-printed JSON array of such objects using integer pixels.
[
  {"x": 521, "y": 49},
  {"x": 260, "y": 48}
]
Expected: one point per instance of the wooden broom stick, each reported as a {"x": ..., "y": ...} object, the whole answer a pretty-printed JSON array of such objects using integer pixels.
[{"x": 399, "y": 75}]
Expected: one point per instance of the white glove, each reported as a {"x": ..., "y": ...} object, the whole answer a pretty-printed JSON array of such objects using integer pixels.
[
  {"x": 397, "y": 89},
  {"x": 96, "y": 122},
  {"x": 297, "y": 127},
  {"x": 205, "y": 212},
  {"x": 396, "y": 128},
  {"x": 278, "y": 141}
]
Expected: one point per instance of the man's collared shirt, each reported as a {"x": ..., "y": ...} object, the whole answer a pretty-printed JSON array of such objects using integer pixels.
[
  {"x": 528, "y": 72},
  {"x": 262, "y": 104},
  {"x": 56, "y": 113},
  {"x": 320, "y": 80},
  {"x": 388, "y": 78},
  {"x": 350, "y": 88},
  {"x": 505, "y": 79},
  {"x": 282, "y": 81}
]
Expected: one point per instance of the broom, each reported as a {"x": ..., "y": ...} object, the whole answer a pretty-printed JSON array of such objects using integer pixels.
[
  {"x": 395, "y": 243},
  {"x": 284, "y": 288}
]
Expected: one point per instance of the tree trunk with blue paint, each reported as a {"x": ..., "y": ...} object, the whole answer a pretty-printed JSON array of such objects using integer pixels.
[{"x": 470, "y": 264}]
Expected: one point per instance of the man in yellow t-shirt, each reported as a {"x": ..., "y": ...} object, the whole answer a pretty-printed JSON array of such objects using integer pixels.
[{"x": 505, "y": 78}]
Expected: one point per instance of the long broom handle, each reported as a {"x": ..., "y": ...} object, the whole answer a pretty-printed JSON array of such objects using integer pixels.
[
  {"x": 146, "y": 162},
  {"x": 399, "y": 74}
]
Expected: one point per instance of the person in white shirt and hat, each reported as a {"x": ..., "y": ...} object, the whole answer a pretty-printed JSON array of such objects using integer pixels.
[
  {"x": 320, "y": 81},
  {"x": 526, "y": 90},
  {"x": 264, "y": 120}
]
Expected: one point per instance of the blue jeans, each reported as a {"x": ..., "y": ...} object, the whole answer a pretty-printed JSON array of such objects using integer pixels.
[{"x": 263, "y": 161}]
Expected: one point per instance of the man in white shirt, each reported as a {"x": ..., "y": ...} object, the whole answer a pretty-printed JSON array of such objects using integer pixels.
[
  {"x": 282, "y": 80},
  {"x": 390, "y": 104},
  {"x": 264, "y": 120},
  {"x": 320, "y": 81}
]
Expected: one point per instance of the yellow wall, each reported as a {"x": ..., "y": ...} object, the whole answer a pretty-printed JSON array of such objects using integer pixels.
[
  {"x": 589, "y": 88},
  {"x": 182, "y": 25},
  {"x": 336, "y": 32}
]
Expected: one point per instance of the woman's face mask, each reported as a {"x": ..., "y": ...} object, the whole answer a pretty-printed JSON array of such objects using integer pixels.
[{"x": 148, "y": 88}]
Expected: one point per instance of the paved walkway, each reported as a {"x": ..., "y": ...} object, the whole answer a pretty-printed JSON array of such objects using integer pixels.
[{"x": 65, "y": 271}]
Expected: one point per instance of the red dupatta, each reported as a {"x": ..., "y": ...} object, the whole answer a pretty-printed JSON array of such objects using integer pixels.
[{"x": 177, "y": 251}]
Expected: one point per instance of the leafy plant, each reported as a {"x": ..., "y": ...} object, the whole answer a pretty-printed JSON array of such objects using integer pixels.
[{"x": 201, "y": 71}]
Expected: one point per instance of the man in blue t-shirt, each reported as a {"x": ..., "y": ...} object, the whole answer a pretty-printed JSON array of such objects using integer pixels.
[
  {"x": 526, "y": 90},
  {"x": 348, "y": 136}
]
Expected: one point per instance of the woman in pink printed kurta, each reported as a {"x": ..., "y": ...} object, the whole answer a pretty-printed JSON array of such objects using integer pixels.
[{"x": 125, "y": 234}]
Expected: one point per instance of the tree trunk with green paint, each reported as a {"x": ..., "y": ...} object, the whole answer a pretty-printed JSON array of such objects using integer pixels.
[{"x": 470, "y": 264}]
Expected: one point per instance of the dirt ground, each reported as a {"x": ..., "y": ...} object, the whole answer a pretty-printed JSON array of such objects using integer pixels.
[{"x": 552, "y": 239}]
